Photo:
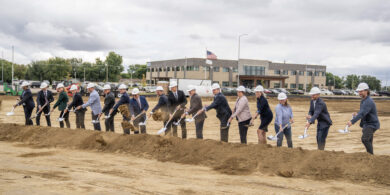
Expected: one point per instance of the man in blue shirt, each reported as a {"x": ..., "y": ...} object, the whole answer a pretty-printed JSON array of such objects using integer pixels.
[
  {"x": 94, "y": 103},
  {"x": 138, "y": 106},
  {"x": 368, "y": 117}
]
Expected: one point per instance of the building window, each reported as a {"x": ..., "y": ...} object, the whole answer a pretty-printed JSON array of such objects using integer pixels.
[
  {"x": 316, "y": 73},
  {"x": 309, "y": 73},
  {"x": 196, "y": 68},
  {"x": 182, "y": 68},
  {"x": 216, "y": 69},
  {"x": 206, "y": 67},
  {"x": 225, "y": 69},
  {"x": 300, "y": 86},
  {"x": 301, "y": 73},
  {"x": 285, "y": 72},
  {"x": 254, "y": 70},
  {"x": 234, "y": 84},
  {"x": 159, "y": 69},
  {"x": 190, "y": 68},
  {"x": 293, "y": 86},
  {"x": 235, "y": 69},
  {"x": 225, "y": 84},
  {"x": 177, "y": 68},
  {"x": 294, "y": 72},
  {"x": 276, "y": 85},
  {"x": 169, "y": 69},
  {"x": 216, "y": 82},
  {"x": 323, "y": 74},
  {"x": 277, "y": 72},
  {"x": 316, "y": 85}
]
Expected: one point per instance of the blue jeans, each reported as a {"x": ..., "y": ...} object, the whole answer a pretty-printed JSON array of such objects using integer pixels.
[
  {"x": 322, "y": 133},
  {"x": 286, "y": 132}
]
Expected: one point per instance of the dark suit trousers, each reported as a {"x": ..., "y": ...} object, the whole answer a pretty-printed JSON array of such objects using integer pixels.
[
  {"x": 224, "y": 131},
  {"x": 141, "y": 128},
  {"x": 109, "y": 123},
  {"x": 27, "y": 115},
  {"x": 322, "y": 133},
  {"x": 80, "y": 116},
  {"x": 367, "y": 139},
  {"x": 96, "y": 126},
  {"x": 66, "y": 119},
  {"x": 44, "y": 111},
  {"x": 199, "y": 129}
]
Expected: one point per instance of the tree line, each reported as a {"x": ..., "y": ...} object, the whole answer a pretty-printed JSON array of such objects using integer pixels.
[
  {"x": 57, "y": 69},
  {"x": 352, "y": 81}
]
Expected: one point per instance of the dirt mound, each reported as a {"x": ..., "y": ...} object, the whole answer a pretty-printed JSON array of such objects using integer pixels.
[{"x": 228, "y": 158}]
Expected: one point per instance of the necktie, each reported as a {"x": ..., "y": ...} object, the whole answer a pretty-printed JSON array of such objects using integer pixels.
[
  {"x": 176, "y": 95},
  {"x": 139, "y": 102}
]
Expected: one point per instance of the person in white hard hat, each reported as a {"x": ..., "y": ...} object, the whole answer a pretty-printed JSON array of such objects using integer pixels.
[
  {"x": 224, "y": 112},
  {"x": 162, "y": 105},
  {"x": 242, "y": 113},
  {"x": 27, "y": 101},
  {"x": 44, "y": 98},
  {"x": 76, "y": 102},
  {"x": 195, "y": 106},
  {"x": 319, "y": 111},
  {"x": 368, "y": 117},
  {"x": 94, "y": 103},
  {"x": 138, "y": 108},
  {"x": 265, "y": 113},
  {"x": 177, "y": 101},
  {"x": 109, "y": 102},
  {"x": 62, "y": 102},
  {"x": 283, "y": 118},
  {"x": 124, "y": 99}
]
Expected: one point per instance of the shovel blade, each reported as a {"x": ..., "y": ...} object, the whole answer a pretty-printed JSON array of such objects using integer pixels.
[
  {"x": 161, "y": 131},
  {"x": 188, "y": 120},
  {"x": 343, "y": 131},
  {"x": 303, "y": 136},
  {"x": 10, "y": 113},
  {"x": 60, "y": 119},
  {"x": 142, "y": 124}
]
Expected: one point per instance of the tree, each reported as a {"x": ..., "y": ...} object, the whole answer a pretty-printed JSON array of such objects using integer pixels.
[
  {"x": 138, "y": 70},
  {"x": 114, "y": 63},
  {"x": 351, "y": 81},
  {"x": 372, "y": 82},
  {"x": 331, "y": 79}
]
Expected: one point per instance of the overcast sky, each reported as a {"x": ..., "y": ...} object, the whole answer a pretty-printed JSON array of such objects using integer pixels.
[{"x": 348, "y": 36}]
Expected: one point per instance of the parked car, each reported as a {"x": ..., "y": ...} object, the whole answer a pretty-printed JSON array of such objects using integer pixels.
[
  {"x": 373, "y": 93},
  {"x": 384, "y": 93},
  {"x": 150, "y": 89},
  {"x": 339, "y": 92},
  {"x": 326, "y": 92},
  {"x": 297, "y": 91},
  {"x": 35, "y": 84},
  {"x": 283, "y": 90}
]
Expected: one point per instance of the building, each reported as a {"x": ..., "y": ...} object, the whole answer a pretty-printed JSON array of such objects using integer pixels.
[{"x": 251, "y": 72}]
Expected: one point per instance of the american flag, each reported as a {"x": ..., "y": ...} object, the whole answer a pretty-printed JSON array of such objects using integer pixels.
[{"x": 211, "y": 55}]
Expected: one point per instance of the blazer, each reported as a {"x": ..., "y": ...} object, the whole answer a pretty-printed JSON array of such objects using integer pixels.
[
  {"x": 94, "y": 102},
  {"x": 221, "y": 105},
  {"x": 135, "y": 108},
  {"x": 76, "y": 101},
  {"x": 320, "y": 112},
  {"x": 195, "y": 106},
  {"x": 181, "y": 100},
  {"x": 41, "y": 100},
  {"x": 62, "y": 101},
  {"x": 125, "y": 99},
  {"x": 263, "y": 108},
  {"x": 26, "y": 99},
  {"x": 109, "y": 102},
  {"x": 241, "y": 109},
  {"x": 163, "y": 104},
  {"x": 367, "y": 114}
]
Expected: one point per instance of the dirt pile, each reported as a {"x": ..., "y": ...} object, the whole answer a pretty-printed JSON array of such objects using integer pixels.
[{"x": 226, "y": 158}]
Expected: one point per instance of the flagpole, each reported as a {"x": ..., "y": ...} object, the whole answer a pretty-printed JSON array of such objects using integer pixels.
[{"x": 205, "y": 65}]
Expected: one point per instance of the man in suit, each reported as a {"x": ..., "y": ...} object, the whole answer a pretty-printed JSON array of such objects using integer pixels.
[
  {"x": 94, "y": 103},
  {"x": 177, "y": 101},
  {"x": 318, "y": 111},
  {"x": 124, "y": 100},
  {"x": 109, "y": 102},
  {"x": 224, "y": 112},
  {"x": 195, "y": 106},
  {"x": 76, "y": 102},
  {"x": 44, "y": 98},
  {"x": 162, "y": 105},
  {"x": 138, "y": 108},
  {"x": 27, "y": 101}
]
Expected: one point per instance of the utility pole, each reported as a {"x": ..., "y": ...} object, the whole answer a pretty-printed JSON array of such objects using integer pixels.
[
  {"x": 12, "y": 81},
  {"x": 238, "y": 58},
  {"x": 2, "y": 67},
  {"x": 106, "y": 73},
  {"x": 84, "y": 74},
  {"x": 305, "y": 78}
]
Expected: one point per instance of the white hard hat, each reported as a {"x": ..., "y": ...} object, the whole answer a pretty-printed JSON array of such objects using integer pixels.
[
  {"x": 135, "y": 91},
  {"x": 362, "y": 86},
  {"x": 106, "y": 86},
  {"x": 259, "y": 88},
  {"x": 60, "y": 85},
  {"x": 241, "y": 88},
  {"x": 190, "y": 88},
  {"x": 282, "y": 96},
  {"x": 43, "y": 85},
  {"x": 24, "y": 84},
  {"x": 315, "y": 90},
  {"x": 122, "y": 86},
  {"x": 172, "y": 84},
  {"x": 215, "y": 86},
  {"x": 73, "y": 87},
  {"x": 159, "y": 88},
  {"x": 90, "y": 85}
]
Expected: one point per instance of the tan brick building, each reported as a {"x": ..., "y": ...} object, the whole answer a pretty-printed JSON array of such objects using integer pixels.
[{"x": 251, "y": 72}]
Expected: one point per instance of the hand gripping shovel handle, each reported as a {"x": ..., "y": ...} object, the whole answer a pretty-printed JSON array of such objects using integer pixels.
[
  {"x": 165, "y": 127},
  {"x": 39, "y": 111},
  {"x": 140, "y": 114}
]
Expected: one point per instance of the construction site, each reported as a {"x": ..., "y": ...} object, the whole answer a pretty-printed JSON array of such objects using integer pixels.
[{"x": 47, "y": 160}]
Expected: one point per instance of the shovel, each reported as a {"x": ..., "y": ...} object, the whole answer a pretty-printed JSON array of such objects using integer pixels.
[
  {"x": 275, "y": 138},
  {"x": 39, "y": 111},
  {"x": 165, "y": 127},
  {"x": 143, "y": 123},
  {"x": 178, "y": 122},
  {"x": 188, "y": 120},
  {"x": 304, "y": 135},
  {"x": 11, "y": 113},
  {"x": 344, "y": 131},
  {"x": 227, "y": 126},
  {"x": 61, "y": 118},
  {"x": 96, "y": 121}
]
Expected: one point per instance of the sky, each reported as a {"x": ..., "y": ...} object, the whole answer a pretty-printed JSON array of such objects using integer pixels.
[{"x": 349, "y": 36}]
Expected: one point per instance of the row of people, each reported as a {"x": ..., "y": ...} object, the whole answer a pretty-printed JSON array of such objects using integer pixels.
[{"x": 173, "y": 109}]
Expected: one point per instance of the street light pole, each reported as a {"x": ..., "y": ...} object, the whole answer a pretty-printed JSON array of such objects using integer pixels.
[
  {"x": 12, "y": 81},
  {"x": 238, "y": 58}
]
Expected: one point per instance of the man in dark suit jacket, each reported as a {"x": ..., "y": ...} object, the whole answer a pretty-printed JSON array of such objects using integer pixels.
[
  {"x": 27, "y": 101},
  {"x": 44, "y": 98},
  {"x": 76, "y": 102},
  {"x": 109, "y": 102},
  {"x": 124, "y": 100},
  {"x": 195, "y": 106},
  {"x": 177, "y": 101},
  {"x": 224, "y": 112},
  {"x": 318, "y": 111},
  {"x": 138, "y": 106},
  {"x": 162, "y": 105}
]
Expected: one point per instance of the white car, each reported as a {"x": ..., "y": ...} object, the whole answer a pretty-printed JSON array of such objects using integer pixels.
[{"x": 326, "y": 92}]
